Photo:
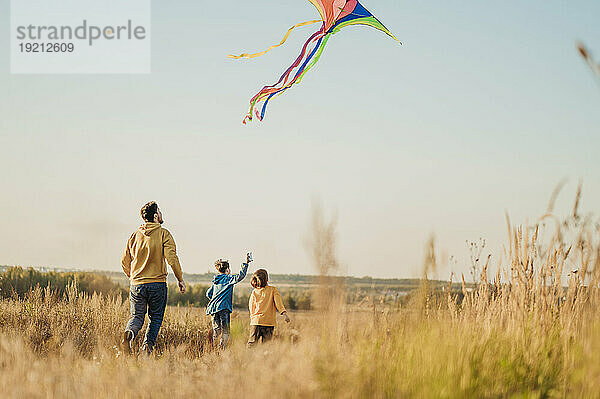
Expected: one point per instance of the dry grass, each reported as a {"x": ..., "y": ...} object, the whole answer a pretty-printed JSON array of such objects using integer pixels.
[{"x": 532, "y": 329}]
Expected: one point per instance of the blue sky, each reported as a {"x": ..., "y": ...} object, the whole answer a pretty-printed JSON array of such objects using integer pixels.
[{"x": 485, "y": 108}]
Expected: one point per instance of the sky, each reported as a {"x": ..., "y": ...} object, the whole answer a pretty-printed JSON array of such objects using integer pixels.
[{"x": 484, "y": 109}]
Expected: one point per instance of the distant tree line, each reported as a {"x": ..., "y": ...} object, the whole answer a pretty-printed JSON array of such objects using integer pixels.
[
  {"x": 195, "y": 295},
  {"x": 18, "y": 281}
]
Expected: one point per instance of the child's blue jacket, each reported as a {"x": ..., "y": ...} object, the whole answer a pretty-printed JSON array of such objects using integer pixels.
[{"x": 220, "y": 294}]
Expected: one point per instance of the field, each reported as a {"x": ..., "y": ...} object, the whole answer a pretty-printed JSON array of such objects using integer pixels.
[{"x": 531, "y": 328}]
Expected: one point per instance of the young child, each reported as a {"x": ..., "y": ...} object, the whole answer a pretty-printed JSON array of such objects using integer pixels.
[
  {"x": 264, "y": 301},
  {"x": 220, "y": 296}
]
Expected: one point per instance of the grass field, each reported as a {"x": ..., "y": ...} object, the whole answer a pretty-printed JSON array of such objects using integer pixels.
[{"x": 531, "y": 329}]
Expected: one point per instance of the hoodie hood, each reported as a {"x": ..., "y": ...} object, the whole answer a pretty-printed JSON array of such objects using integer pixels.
[
  {"x": 221, "y": 279},
  {"x": 149, "y": 228}
]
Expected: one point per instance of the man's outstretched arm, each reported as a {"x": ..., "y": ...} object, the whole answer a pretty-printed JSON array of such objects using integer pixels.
[
  {"x": 126, "y": 259},
  {"x": 172, "y": 258}
]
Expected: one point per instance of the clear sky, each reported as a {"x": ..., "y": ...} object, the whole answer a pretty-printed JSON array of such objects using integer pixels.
[{"x": 485, "y": 108}]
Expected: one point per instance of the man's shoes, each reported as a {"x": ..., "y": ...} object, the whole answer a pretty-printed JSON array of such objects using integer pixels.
[
  {"x": 127, "y": 342},
  {"x": 145, "y": 350}
]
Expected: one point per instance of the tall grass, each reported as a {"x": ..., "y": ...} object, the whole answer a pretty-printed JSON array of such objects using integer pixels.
[{"x": 530, "y": 328}]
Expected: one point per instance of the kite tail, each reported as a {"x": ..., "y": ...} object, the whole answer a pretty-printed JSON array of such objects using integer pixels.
[
  {"x": 353, "y": 13},
  {"x": 314, "y": 56},
  {"x": 285, "y": 37},
  {"x": 284, "y": 80}
]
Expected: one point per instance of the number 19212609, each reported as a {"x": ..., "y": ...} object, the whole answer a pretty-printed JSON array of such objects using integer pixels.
[{"x": 46, "y": 47}]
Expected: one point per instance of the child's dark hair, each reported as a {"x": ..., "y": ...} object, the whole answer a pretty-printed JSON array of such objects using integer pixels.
[
  {"x": 259, "y": 278},
  {"x": 221, "y": 265}
]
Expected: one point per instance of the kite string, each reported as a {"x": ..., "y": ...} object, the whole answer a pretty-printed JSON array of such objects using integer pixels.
[{"x": 285, "y": 37}]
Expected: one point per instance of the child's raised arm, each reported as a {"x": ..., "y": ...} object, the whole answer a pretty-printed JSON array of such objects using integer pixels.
[{"x": 236, "y": 278}]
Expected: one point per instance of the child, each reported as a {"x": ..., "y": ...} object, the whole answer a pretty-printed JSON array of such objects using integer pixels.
[
  {"x": 264, "y": 301},
  {"x": 220, "y": 296}
]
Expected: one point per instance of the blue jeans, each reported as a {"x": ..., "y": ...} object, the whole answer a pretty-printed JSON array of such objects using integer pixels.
[
  {"x": 221, "y": 322},
  {"x": 150, "y": 297}
]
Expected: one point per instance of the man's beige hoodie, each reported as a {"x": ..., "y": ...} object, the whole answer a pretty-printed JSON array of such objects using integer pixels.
[{"x": 144, "y": 257}]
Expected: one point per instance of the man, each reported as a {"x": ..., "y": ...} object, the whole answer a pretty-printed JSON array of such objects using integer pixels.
[{"x": 144, "y": 263}]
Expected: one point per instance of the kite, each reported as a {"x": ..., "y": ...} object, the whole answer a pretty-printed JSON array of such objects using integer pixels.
[{"x": 335, "y": 15}]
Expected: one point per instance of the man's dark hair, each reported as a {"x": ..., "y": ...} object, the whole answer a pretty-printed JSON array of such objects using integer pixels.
[
  {"x": 259, "y": 278},
  {"x": 221, "y": 265},
  {"x": 148, "y": 211}
]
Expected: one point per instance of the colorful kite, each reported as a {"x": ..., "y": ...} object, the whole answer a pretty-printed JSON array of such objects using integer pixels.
[{"x": 335, "y": 15}]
